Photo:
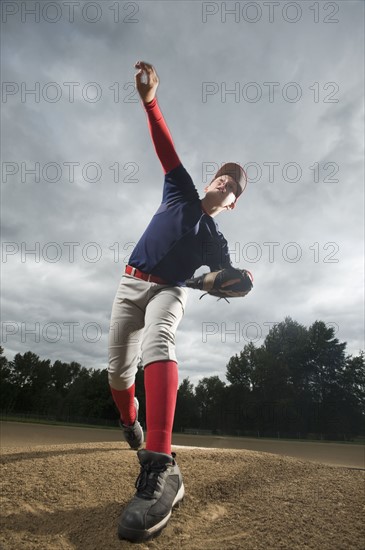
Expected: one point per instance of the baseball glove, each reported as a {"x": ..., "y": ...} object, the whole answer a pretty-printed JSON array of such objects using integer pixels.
[{"x": 228, "y": 282}]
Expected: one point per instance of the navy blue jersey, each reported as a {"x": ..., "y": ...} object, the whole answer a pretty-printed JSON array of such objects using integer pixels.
[{"x": 180, "y": 238}]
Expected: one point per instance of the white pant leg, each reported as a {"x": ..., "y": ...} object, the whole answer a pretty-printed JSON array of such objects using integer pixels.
[
  {"x": 164, "y": 312},
  {"x": 125, "y": 333}
]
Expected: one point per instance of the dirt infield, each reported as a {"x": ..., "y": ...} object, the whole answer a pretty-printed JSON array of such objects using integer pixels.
[
  {"x": 17, "y": 434},
  {"x": 69, "y": 496}
]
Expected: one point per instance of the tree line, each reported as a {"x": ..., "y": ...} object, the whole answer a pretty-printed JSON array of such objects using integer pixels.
[{"x": 299, "y": 383}]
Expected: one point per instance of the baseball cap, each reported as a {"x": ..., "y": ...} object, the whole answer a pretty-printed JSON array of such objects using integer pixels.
[{"x": 236, "y": 172}]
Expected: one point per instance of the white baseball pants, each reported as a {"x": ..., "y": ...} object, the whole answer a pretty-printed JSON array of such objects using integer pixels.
[{"x": 143, "y": 324}]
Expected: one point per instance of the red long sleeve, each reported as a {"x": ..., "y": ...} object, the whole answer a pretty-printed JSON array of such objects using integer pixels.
[{"x": 161, "y": 136}]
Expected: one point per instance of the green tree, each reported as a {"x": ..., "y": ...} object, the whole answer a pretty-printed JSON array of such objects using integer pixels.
[
  {"x": 6, "y": 385},
  {"x": 209, "y": 393},
  {"x": 63, "y": 375},
  {"x": 241, "y": 372},
  {"x": 349, "y": 397},
  {"x": 240, "y": 368},
  {"x": 327, "y": 360},
  {"x": 76, "y": 402},
  {"x": 187, "y": 412},
  {"x": 31, "y": 378}
]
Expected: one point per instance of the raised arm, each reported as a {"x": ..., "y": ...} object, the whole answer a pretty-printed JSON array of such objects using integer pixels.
[{"x": 146, "y": 80}]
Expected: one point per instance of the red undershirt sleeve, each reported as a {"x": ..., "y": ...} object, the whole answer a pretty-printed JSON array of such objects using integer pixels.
[{"x": 161, "y": 136}]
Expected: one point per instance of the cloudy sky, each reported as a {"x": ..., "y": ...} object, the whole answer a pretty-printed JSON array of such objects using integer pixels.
[{"x": 277, "y": 87}]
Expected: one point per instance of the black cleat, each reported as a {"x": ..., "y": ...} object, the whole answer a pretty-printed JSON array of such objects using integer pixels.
[
  {"x": 133, "y": 434},
  {"x": 160, "y": 488}
]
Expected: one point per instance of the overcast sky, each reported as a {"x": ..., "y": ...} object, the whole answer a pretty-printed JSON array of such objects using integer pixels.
[{"x": 294, "y": 119}]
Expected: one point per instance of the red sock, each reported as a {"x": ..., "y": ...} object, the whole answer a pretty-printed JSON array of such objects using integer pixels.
[
  {"x": 160, "y": 382},
  {"x": 124, "y": 400}
]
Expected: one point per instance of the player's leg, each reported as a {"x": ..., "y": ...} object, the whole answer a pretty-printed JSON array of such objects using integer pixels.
[
  {"x": 160, "y": 485},
  {"x": 163, "y": 315},
  {"x": 126, "y": 326}
]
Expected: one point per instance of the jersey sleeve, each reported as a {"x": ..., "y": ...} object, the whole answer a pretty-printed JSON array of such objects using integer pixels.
[
  {"x": 179, "y": 186},
  {"x": 161, "y": 136},
  {"x": 216, "y": 251},
  {"x": 224, "y": 259}
]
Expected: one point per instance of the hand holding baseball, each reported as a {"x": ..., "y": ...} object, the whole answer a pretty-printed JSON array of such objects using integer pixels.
[{"x": 146, "y": 81}]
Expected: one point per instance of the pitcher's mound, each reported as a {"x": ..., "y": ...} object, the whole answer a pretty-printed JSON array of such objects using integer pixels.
[{"x": 70, "y": 497}]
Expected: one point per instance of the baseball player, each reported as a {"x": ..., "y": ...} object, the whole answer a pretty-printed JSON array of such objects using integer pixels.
[{"x": 148, "y": 307}]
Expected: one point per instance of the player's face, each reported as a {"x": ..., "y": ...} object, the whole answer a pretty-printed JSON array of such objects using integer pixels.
[{"x": 223, "y": 191}]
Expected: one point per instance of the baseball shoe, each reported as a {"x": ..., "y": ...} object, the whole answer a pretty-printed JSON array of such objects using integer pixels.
[
  {"x": 160, "y": 488},
  {"x": 133, "y": 434}
]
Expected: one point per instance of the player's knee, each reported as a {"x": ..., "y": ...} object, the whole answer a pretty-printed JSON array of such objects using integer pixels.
[
  {"x": 158, "y": 351},
  {"x": 121, "y": 379},
  {"x": 120, "y": 383},
  {"x": 160, "y": 334}
]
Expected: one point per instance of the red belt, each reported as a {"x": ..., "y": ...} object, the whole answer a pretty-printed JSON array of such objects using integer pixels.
[{"x": 150, "y": 278}]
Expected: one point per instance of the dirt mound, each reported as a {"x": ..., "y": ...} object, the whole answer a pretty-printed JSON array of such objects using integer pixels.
[{"x": 70, "y": 497}]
